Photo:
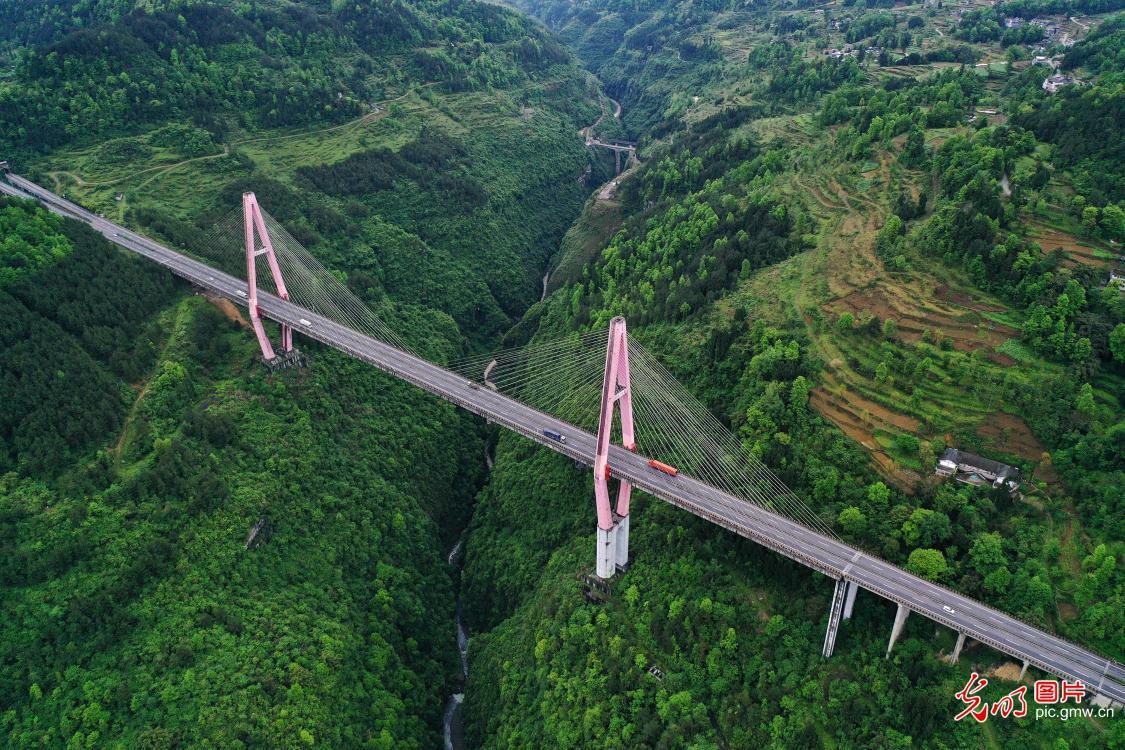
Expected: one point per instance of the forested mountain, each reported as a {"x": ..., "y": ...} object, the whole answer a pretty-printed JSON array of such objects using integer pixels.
[
  {"x": 858, "y": 251},
  {"x": 198, "y": 553},
  {"x": 134, "y": 615},
  {"x": 272, "y": 64},
  {"x": 860, "y": 232}
]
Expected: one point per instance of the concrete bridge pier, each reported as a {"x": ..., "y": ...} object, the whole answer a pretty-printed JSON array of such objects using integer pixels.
[
  {"x": 607, "y": 552},
  {"x": 1023, "y": 670},
  {"x": 849, "y": 602},
  {"x": 617, "y": 159},
  {"x": 613, "y": 547},
  {"x": 957, "y": 649},
  {"x": 896, "y": 629},
  {"x": 621, "y": 528},
  {"x": 835, "y": 611}
]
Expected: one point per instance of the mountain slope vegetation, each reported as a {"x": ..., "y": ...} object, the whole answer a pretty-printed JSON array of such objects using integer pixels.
[
  {"x": 943, "y": 285},
  {"x": 860, "y": 233},
  {"x": 198, "y": 553}
]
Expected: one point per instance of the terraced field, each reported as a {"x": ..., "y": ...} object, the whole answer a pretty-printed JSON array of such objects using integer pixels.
[
  {"x": 1077, "y": 252},
  {"x": 958, "y": 396}
]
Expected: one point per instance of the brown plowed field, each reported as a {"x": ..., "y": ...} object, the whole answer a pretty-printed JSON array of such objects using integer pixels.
[
  {"x": 1077, "y": 253},
  {"x": 870, "y": 411},
  {"x": 855, "y": 427},
  {"x": 965, "y": 300},
  {"x": 1011, "y": 434},
  {"x": 967, "y": 329}
]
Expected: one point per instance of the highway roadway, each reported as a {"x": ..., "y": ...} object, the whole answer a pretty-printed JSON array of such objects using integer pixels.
[{"x": 830, "y": 556}]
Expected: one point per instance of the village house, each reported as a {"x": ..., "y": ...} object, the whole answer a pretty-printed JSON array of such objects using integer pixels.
[
  {"x": 1053, "y": 83},
  {"x": 976, "y": 470}
]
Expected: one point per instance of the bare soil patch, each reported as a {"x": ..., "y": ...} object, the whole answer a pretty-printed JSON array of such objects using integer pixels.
[
  {"x": 871, "y": 411},
  {"x": 965, "y": 300},
  {"x": 1007, "y": 671},
  {"x": 853, "y": 425},
  {"x": 227, "y": 308},
  {"x": 1077, "y": 252},
  {"x": 1010, "y": 434}
]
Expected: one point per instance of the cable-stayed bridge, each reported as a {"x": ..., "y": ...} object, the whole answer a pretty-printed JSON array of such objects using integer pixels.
[{"x": 716, "y": 481}]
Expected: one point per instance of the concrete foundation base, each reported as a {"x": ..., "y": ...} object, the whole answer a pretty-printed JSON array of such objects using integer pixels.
[
  {"x": 613, "y": 547},
  {"x": 1102, "y": 701}
]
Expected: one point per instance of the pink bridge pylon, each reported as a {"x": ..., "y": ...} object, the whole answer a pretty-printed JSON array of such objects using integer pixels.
[
  {"x": 613, "y": 527},
  {"x": 254, "y": 224}
]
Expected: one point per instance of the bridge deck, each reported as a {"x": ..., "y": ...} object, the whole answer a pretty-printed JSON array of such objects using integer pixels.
[{"x": 827, "y": 555}]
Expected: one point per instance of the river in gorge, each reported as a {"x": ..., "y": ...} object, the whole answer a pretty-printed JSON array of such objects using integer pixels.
[
  {"x": 451, "y": 722},
  {"x": 452, "y": 726}
]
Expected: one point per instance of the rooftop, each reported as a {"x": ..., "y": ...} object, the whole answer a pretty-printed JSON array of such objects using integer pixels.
[{"x": 996, "y": 468}]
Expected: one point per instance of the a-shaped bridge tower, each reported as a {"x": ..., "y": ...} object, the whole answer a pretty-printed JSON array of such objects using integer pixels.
[{"x": 613, "y": 524}]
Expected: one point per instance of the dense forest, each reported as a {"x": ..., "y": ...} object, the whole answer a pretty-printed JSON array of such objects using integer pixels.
[
  {"x": 858, "y": 233},
  {"x": 706, "y": 642},
  {"x": 269, "y": 64},
  {"x": 198, "y": 553}
]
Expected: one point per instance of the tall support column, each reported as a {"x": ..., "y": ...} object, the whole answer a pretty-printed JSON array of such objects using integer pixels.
[
  {"x": 622, "y": 545},
  {"x": 896, "y": 629},
  {"x": 617, "y": 159},
  {"x": 849, "y": 603},
  {"x": 1023, "y": 671},
  {"x": 839, "y": 595},
  {"x": 255, "y": 229},
  {"x": 957, "y": 649},
  {"x": 613, "y": 527},
  {"x": 607, "y": 552}
]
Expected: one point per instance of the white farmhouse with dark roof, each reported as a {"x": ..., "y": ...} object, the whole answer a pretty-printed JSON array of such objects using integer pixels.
[{"x": 973, "y": 469}]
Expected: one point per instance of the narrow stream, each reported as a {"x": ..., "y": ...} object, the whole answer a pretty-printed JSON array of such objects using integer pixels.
[
  {"x": 451, "y": 723},
  {"x": 452, "y": 727}
]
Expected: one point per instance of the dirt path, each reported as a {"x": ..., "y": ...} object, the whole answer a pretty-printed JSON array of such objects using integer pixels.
[
  {"x": 143, "y": 391},
  {"x": 590, "y": 131},
  {"x": 609, "y": 189},
  {"x": 160, "y": 169}
]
